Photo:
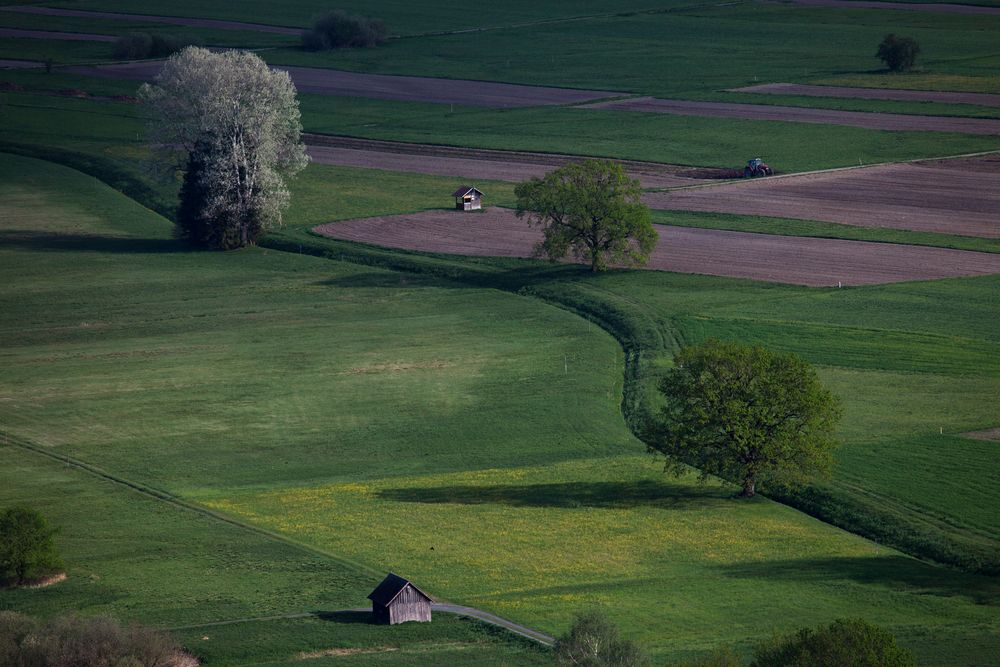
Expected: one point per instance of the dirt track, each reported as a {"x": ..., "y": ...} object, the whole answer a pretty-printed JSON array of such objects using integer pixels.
[
  {"x": 19, "y": 64},
  {"x": 18, "y": 33},
  {"x": 386, "y": 87},
  {"x": 947, "y": 196},
  {"x": 782, "y": 259},
  {"x": 982, "y": 99},
  {"x": 142, "y": 18},
  {"x": 872, "y": 121},
  {"x": 479, "y": 164},
  {"x": 939, "y": 7}
]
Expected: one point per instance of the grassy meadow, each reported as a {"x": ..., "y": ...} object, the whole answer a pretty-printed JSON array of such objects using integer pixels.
[{"x": 237, "y": 445}]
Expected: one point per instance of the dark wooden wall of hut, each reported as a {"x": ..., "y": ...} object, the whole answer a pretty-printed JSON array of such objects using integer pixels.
[{"x": 409, "y": 605}]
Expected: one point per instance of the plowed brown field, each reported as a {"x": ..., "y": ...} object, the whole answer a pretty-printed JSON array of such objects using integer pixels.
[
  {"x": 946, "y": 196},
  {"x": 782, "y": 259},
  {"x": 982, "y": 99},
  {"x": 385, "y": 87},
  {"x": 865, "y": 119},
  {"x": 481, "y": 164}
]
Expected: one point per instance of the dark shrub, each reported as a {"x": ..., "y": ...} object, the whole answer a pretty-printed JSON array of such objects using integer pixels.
[
  {"x": 898, "y": 53},
  {"x": 340, "y": 30},
  {"x": 70, "y": 641},
  {"x": 141, "y": 45},
  {"x": 843, "y": 643}
]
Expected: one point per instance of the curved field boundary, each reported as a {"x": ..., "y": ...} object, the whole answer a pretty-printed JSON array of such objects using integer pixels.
[
  {"x": 18, "y": 33},
  {"x": 386, "y": 87},
  {"x": 939, "y": 7},
  {"x": 782, "y": 259},
  {"x": 981, "y": 99},
  {"x": 868, "y": 120},
  {"x": 143, "y": 18},
  {"x": 477, "y": 163},
  {"x": 958, "y": 196}
]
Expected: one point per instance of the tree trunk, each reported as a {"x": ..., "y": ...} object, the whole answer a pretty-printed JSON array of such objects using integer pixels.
[{"x": 749, "y": 488}]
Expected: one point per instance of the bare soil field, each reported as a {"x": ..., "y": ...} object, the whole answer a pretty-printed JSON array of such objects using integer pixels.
[
  {"x": 781, "y": 259},
  {"x": 385, "y": 87},
  {"x": 947, "y": 196},
  {"x": 18, "y": 64},
  {"x": 939, "y": 7},
  {"x": 871, "y": 121},
  {"x": 982, "y": 99},
  {"x": 482, "y": 164},
  {"x": 18, "y": 33},
  {"x": 143, "y": 18}
]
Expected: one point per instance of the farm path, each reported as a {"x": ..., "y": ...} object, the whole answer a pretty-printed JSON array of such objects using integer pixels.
[
  {"x": 18, "y": 33},
  {"x": 481, "y": 164},
  {"x": 793, "y": 260},
  {"x": 6, "y": 63},
  {"x": 958, "y": 196},
  {"x": 386, "y": 87},
  {"x": 865, "y": 119},
  {"x": 144, "y": 18},
  {"x": 982, "y": 99},
  {"x": 939, "y": 7}
]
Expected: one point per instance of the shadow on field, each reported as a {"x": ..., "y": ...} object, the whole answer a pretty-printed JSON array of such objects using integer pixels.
[
  {"x": 614, "y": 495},
  {"x": 352, "y": 617},
  {"x": 896, "y": 572},
  {"x": 391, "y": 279},
  {"x": 44, "y": 241}
]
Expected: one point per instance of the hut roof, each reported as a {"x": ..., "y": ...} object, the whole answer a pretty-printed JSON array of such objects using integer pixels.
[
  {"x": 464, "y": 190},
  {"x": 390, "y": 588}
]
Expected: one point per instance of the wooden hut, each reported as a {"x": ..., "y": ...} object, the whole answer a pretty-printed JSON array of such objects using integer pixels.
[
  {"x": 396, "y": 600},
  {"x": 468, "y": 198}
]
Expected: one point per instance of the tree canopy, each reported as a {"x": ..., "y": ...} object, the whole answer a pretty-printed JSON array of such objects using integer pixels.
[
  {"x": 593, "y": 641},
  {"x": 745, "y": 414},
  {"x": 233, "y": 125},
  {"x": 27, "y": 550},
  {"x": 843, "y": 643},
  {"x": 898, "y": 53},
  {"x": 590, "y": 209}
]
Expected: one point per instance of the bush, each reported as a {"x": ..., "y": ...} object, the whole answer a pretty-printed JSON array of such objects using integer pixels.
[
  {"x": 340, "y": 30},
  {"x": 593, "y": 641},
  {"x": 843, "y": 643},
  {"x": 141, "y": 45},
  {"x": 70, "y": 641},
  {"x": 27, "y": 550},
  {"x": 898, "y": 53}
]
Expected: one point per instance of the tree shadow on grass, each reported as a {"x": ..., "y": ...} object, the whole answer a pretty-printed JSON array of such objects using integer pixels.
[
  {"x": 351, "y": 617},
  {"x": 52, "y": 242},
  {"x": 894, "y": 572},
  {"x": 608, "y": 495}
]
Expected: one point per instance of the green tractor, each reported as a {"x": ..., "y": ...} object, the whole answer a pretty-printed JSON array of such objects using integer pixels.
[{"x": 756, "y": 167}]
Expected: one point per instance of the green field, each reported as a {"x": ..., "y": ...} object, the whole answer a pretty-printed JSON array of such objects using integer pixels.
[{"x": 237, "y": 446}]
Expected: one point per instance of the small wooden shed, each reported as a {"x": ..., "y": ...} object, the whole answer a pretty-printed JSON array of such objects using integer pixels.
[
  {"x": 396, "y": 600},
  {"x": 468, "y": 198}
]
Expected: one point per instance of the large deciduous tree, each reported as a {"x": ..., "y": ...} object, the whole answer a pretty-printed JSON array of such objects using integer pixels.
[
  {"x": 590, "y": 209},
  {"x": 898, "y": 53},
  {"x": 27, "y": 550},
  {"x": 745, "y": 414},
  {"x": 233, "y": 126}
]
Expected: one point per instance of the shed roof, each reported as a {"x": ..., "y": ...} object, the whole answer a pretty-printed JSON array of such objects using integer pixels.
[
  {"x": 390, "y": 588},
  {"x": 466, "y": 189}
]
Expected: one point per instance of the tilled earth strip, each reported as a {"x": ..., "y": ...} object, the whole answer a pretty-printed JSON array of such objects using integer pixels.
[
  {"x": 937, "y": 7},
  {"x": 981, "y": 99},
  {"x": 959, "y": 197},
  {"x": 780, "y": 259},
  {"x": 865, "y": 119},
  {"x": 482, "y": 164},
  {"x": 145, "y": 18},
  {"x": 385, "y": 87}
]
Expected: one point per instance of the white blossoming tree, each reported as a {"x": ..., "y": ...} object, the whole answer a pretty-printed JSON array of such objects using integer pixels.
[{"x": 232, "y": 125}]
